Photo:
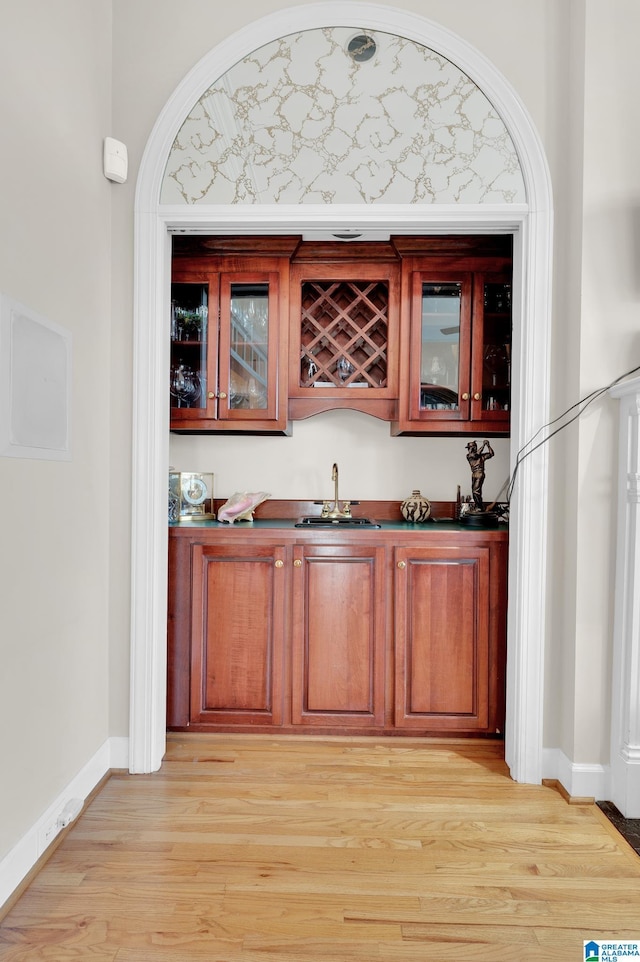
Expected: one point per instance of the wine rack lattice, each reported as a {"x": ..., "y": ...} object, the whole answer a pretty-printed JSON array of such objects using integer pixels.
[{"x": 344, "y": 334}]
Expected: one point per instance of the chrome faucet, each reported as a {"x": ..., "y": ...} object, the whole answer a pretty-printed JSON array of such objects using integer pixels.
[{"x": 333, "y": 511}]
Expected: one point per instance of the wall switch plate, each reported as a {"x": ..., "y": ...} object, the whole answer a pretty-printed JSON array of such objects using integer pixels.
[{"x": 115, "y": 160}]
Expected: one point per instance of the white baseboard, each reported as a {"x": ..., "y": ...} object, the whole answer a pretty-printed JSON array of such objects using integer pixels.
[
  {"x": 23, "y": 856},
  {"x": 579, "y": 780}
]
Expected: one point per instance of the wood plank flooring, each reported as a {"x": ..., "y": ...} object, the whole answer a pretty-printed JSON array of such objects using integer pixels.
[{"x": 299, "y": 849}]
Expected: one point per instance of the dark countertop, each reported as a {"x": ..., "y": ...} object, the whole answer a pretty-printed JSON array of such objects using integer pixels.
[{"x": 280, "y": 524}]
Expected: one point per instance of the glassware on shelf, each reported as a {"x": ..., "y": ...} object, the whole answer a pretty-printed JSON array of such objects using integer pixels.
[
  {"x": 250, "y": 311},
  {"x": 308, "y": 367},
  {"x": 257, "y": 395},
  {"x": 184, "y": 385},
  {"x": 496, "y": 365},
  {"x": 435, "y": 398},
  {"x": 344, "y": 369},
  {"x": 437, "y": 371},
  {"x": 186, "y": 324},
  {"x": 497, "y": 298}
]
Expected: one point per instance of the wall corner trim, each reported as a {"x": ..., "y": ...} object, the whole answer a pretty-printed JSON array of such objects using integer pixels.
[
  {"x": 578, "y": 779},
  {"x": 625, "y": 684}
]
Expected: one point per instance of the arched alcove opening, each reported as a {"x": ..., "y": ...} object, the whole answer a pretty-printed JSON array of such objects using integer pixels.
[
  {"x": 530, "y": 221},
  {"x": 301, "y": 121}
]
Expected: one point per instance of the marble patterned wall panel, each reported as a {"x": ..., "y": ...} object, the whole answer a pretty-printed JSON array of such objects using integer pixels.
[{"x": 299, "y": 121}]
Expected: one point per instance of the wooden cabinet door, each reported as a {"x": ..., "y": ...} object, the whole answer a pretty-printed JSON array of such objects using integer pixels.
[
  {"x": 229, "y": 344},
  {"x": 455, "y": 357},
  {"x": 338, "y": 642},
  {"x": 237, "y": 634},
  {"x": 442, "y": 616}
]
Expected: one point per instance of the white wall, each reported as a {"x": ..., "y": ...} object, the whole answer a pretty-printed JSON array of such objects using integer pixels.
[
  {"x": 55, "y": 108},
  {"x": 566, "y": 153},
  {"x": 609, "y": 341},
  {"x": 373, "y": 465},
  {"x": 595, "y": 339}
]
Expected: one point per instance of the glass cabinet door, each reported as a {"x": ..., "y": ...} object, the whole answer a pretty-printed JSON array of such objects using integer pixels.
[
  {"x": 440, "y": 346},
  {"x": 495, "y": 348},
  {"x": 189, "y": 331},
  {"x": 225, "y": 347},
  {"x": 248, "y": 346}
]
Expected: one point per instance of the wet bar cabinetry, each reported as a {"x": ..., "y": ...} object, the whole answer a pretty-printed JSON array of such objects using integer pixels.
[
  {"x": 395, "y": 630},
  {"x": 415, "y": 331},
  {"x": 344, "y": 329},
  {"x": 228, "y": 345},
  {"x": 455, "y": 336}
]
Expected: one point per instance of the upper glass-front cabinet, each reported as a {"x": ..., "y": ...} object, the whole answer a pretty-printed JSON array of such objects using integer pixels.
[
  {"x": 225, "y": 351},
  {"x": 459, "y": 354},
  {"x": 415, "y": 330}
]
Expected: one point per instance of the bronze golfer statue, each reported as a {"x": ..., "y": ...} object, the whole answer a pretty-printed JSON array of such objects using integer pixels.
[{"x": 476, "y": 458}]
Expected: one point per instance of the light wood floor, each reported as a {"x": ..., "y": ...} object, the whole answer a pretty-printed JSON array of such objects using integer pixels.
[{"x": 260, "y": 849}]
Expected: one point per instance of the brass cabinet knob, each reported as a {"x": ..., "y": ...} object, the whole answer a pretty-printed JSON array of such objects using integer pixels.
[
  {"x": 297, "y": 563},
  {"x": 402, "y": 564},
  {"x": 465, "y": 397},
  {"x": 477, "y": 397},
  {"x": 279, "y": 564},
  {"x": 222, "y": 395},
  {"x": 210, "y": 395}
]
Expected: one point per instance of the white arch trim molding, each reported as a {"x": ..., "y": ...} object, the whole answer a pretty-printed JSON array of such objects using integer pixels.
[{"x": 532, "y": 226}]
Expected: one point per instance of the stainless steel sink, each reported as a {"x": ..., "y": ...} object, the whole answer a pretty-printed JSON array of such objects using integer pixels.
[
  {"x": 317, "y": 522},
  {"x": 334, "y": 515}
]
